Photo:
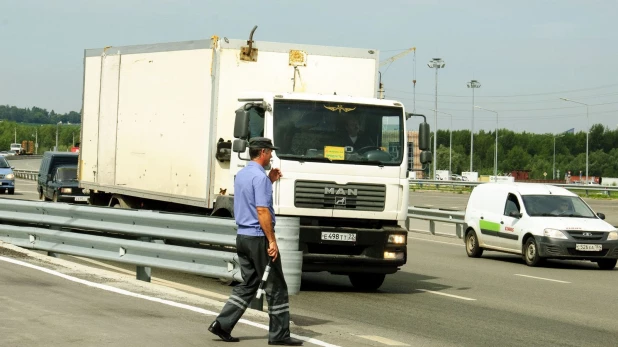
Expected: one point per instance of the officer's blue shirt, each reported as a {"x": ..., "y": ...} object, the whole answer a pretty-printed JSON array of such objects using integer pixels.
[{"x": 252, "y": 189}]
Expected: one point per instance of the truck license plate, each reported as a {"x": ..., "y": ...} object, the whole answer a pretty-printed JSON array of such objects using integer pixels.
[
  {"x": 348, "y": 237},
  {"x": 81, "y": 198},
  {"x": 588, "y": 247}
]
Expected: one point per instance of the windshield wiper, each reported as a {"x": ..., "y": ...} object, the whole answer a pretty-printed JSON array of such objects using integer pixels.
[{"x": 302, "y": 158}]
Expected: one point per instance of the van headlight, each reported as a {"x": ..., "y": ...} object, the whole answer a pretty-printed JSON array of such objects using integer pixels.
[
  {"x": 554, "y": 233},
  {"x": 10, "y": 177},
  {"x": 394, "y": 238},
  {"x": 612, "y": 236}
]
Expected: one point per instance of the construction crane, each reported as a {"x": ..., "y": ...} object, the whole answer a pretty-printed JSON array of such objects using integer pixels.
[{"x": 392, "y": 59}]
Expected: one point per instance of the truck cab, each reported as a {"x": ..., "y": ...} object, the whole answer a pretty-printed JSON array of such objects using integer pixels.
[{"x": 351, "y": 197}]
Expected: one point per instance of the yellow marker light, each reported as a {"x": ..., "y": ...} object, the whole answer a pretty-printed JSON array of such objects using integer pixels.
[{"x": 393, "y": 255}]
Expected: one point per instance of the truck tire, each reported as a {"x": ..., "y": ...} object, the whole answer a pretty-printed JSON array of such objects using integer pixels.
[
  {"x": 367, "y": 282},
  {"x": 12, "y": 191},
  {"x": 531, "y": 253},
  {"x": 472, "y": 245},
  {"x": 607, "y": 264}
]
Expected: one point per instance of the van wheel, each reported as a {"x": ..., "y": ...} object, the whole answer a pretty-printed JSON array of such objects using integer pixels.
[
  {"x": 472, "y": 245},
  {"x": 531, "y": 253},
  {"x": 607, "y": 264}
]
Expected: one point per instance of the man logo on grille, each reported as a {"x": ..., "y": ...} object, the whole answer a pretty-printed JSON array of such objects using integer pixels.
[{"x": 340, "y": 201}]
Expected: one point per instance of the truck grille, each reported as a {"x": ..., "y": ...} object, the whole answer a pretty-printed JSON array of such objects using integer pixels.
[
  {"x": 323, "y": 194},
  {"x": 589, "y": 235}
]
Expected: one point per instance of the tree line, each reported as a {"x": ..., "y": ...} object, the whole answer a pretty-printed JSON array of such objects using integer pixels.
[
  {"x": 37, "y": 115},
  {"x": 43, "y": 134},
  {"x": 533, "y": 152}
]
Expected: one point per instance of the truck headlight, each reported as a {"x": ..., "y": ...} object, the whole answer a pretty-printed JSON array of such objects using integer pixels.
[
  {"x": 10, "y": 177},
  {"x": 65, "y": 190},
  {"x": 612, "y": 236},
  {"x": 554, "y": 233},
  {"x": 394, "y": 238}
]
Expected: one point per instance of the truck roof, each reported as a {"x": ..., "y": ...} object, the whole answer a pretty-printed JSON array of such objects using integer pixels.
[{"x": 321, "y": 97}]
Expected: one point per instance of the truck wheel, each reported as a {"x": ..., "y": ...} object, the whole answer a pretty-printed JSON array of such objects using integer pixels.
[
  {"x": 367, "y": 282},
  {"x": 12, "y": 191},
  {"x": 531, "y": 253},
  {"x": 607, "y": 264},
  {"x": 472, "y": 245}
]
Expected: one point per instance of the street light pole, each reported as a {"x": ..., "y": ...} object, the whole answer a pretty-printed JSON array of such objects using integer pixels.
[
  {"x": 57, "y": 126},
  {"x": 435, "y": 63},
  {"x": 587, "y": 131},
  {"x": 473, "y": 84},
  {"x": 450, "y": 141},
  {"x": 554, "y": 167},
  {"x": 496, "y": 149}
]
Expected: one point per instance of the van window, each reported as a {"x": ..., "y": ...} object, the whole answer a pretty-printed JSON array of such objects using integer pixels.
[
  {"x": 550, "y": 205},
  {"x": 512, "y": 205}
]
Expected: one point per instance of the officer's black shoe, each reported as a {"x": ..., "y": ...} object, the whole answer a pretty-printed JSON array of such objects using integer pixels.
[
  {"x": 289, "y": 341},
  {"x": 216, "y": 329}
]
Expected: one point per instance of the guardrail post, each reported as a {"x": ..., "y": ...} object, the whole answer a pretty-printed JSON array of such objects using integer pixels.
[
  {"x": 458, "y": 230},
  {"x": 53, "y": 254},
  {"x": 432, "y": 227},
  {"x": 143, "y": 273}
]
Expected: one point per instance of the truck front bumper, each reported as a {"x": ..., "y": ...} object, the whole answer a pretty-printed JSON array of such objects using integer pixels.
[
  {"x": 567, "y": 249},
  {"x": 357, "y": 250}
]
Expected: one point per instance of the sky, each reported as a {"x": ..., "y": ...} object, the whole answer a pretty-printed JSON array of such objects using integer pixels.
[{"x": 526, "y": 54}]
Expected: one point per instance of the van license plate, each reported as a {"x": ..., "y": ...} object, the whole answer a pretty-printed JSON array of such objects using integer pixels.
[
  {"x": 588, "y": 247},
  {"x": 348, "y": 237},
  {"x": 81, "y": 198}
]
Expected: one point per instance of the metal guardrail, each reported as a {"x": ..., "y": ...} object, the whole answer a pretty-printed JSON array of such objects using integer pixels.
[
  {"x": 27, "y": 174},
  {"x": 201, "y": 245},
  {"x": 439, "y": 215},
  {"x": 587, "y": 187}
]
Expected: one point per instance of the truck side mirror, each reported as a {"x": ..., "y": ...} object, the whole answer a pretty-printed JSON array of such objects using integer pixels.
[
  {"x": 423, "y": 136},
  {"x": 426, "y": 157},
  {"x": 241, "y": 124},
  {"x": 239, "y": 146}
]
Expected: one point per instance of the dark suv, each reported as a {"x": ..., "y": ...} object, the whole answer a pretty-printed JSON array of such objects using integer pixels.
[{"x": 58, "y": 178}]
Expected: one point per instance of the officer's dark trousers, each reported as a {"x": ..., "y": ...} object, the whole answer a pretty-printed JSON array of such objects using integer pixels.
[{"x": 253, "y": 258}]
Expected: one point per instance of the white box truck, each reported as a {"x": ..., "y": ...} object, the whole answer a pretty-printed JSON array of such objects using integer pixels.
[{"x": 159, "y": 121}]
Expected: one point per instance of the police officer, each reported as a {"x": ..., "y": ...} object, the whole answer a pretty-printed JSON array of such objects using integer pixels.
[{"x": 255, "y": 243}]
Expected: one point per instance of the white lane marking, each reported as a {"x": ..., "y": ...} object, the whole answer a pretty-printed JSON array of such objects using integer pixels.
[
  {"x": 150, "y": 298},
  {"x": 166, "y": 283},
  {"x": 383, "y": 340},
  {"x": 541, "y": 278},
  {"x": 444, "y": 294},
  {"x": 446, "y": 243}
]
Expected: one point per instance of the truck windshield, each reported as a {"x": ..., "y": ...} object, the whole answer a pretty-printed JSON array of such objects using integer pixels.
[
  {"x": 338, "y": 133},
  {"x": 556, "y": 206}
]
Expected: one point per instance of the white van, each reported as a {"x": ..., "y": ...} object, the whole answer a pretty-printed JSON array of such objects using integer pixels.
[{"x": 538, "y": 221}]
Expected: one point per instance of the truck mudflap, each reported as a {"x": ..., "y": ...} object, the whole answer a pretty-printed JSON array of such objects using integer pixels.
[{"x": 344, "y": 250}]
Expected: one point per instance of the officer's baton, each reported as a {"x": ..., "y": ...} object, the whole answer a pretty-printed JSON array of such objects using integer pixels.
[{"x": 260, "y": 290}]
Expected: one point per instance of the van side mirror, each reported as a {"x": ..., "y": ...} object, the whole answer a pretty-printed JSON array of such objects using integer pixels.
[
  {"x": 601, "y": 215},
  {"x": 515, "y": 214},
  {"x": 241, "y": 123}
]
